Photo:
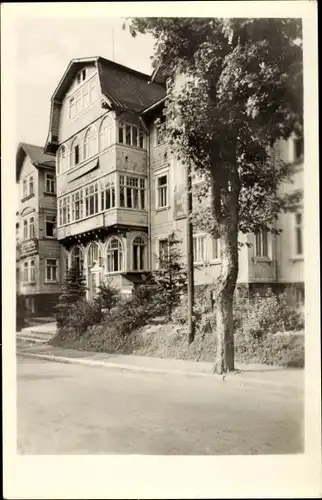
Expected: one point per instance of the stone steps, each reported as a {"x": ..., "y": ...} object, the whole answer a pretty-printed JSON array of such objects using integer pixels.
[{"x": 34, "y": 336}]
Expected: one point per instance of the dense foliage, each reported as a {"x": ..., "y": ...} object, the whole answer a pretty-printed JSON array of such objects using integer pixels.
[
  {"x": 73, "y": 290},
  {"x": 234, "y": 89},
  {"x": 171, "y": 276}
]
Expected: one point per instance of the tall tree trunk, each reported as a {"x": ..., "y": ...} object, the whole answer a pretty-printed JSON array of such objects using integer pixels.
[
  {"x": 224, "y": 304},
  {"x": 225, "y": 193}
]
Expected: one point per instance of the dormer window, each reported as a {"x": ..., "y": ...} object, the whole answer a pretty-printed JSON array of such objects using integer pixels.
[
  {"x": 84, "y": 95},
  {"x": 81, "y": 76}
]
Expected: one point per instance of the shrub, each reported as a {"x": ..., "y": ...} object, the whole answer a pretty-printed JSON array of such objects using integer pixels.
[
  {"x": 136, "y": 311},
  {"x": 202, "y": 306},
  {"x": 171, "y": 276},
  {"x": 73, "y": 290},
  {"x": 281, "y": 350},
  {"x": 108, "y": 296},
  {"x": 267, "y": 314},
  {"x": 83, "y": 315}
]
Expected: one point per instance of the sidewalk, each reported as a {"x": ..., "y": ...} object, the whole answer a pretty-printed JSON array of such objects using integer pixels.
[
  {"x": 47, "y": 328},
  {"x": 270, "y": 376}
]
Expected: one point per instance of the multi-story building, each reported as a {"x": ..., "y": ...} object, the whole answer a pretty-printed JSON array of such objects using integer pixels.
[
  {"x": 38, "y": 252},
  {"x": 265, "y": 261},
  {"x": 102, "y": 153},
  {"x": 121, "y": 193}
]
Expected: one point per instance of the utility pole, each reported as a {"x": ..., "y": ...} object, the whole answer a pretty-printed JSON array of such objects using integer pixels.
[{"x": 191, "y": 326}]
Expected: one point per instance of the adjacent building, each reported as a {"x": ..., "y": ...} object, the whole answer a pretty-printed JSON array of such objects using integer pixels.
[
  {"x": 120, "y": 193},
  {"x": 38, "y": 260}
]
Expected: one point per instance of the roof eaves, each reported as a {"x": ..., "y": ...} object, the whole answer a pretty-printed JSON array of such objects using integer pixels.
[
  {"x": 154, "y": 105},
  {"x": 155, "y": 73}
]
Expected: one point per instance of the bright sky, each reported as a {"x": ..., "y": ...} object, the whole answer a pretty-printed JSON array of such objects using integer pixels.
[{"x": 44, "y": 49}]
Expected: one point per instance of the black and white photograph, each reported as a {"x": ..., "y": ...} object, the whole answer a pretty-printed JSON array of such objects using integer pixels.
[{"x": 162, "y": 236}]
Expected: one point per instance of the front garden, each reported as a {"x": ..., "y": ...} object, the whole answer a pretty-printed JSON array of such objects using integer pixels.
[{"x": 152, "y": 322}]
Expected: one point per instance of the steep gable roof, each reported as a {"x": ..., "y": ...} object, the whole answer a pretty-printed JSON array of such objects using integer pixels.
[
  {"x": 127, "y": 88},
  {"x": 36, "y": 155},
  {"x": 124, "y": 88}
]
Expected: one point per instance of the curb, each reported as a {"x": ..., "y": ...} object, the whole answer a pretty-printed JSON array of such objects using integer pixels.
[
  {"x": 135, "y": 368},
  {"x": 32, "y": 340}
]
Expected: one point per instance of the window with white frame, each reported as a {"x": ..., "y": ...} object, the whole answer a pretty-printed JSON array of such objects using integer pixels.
[
  {"x": 261, "y": 243},
  {"x": 78, "y": 102},
  {"x": 138, "y": 255},
  {"x": 25, "y": 272},
  {"x": 91, "y": 199},
  {"x": 105, "y": 133},
  {"x": 25, "y": 229},
  {"x": 50, "y": 222},
  {"x": 24, "y": 188},
  {"x": 31, "y": 184},
  {"x": 85, "y": 96},
  {"x": 141, "y": 139},
  {"x": 132, "y": 192},
  {"x": 162, "y": 191},
  {"x": 50, "y": 184},
  {"x": 94, "y": 254},
  {"x": 62, "y": 160},
  {"x": 71, "y": 108},
  {"x": 64, "y": 210},
  {"x": 199, "y": 254},
  {"x": 29, "y": 228},
  {"x": 215, "y": 248},
  {"x": 32, "y": 271},
  {"x": 81, "y": 76},
  {"x": 92, "y": 91},
  {"x": 108, "y": 192},
  {"x": 28, "y": 186},
  {"x": 77, "y": 259},
  {"x": 51, "y": 270},
  {"x": 114, "y": 255},
  {"x": 130, "y": 135},
  {"x": 298, "y": 234},
  {"x": 75, "y": 152},
  {"x": 77, "y": 205},
  {"x": 90, "y": 143}
]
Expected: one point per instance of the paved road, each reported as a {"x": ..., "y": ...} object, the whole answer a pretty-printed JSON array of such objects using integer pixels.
[{"x": 80, "y": 409}]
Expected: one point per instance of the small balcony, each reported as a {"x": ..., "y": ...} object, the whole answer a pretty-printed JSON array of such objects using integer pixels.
[{"x": 114, "y": 217}]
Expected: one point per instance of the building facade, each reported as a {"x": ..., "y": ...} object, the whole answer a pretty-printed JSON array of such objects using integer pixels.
[
  {"x": 38, "y": 260},
  {"x": 120, "y": 193}
]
